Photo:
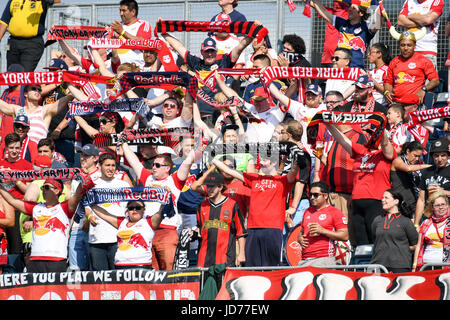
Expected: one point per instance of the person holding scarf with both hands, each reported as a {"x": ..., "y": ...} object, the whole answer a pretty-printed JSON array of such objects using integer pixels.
[
  {"x": 433, "y": 244},
  {"x": 51, "y": 221}
]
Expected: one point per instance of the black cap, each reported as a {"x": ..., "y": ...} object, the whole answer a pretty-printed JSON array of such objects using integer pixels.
[
  {"x": 229, "y": 127},
  {"x": 440, "y": 145},
  {"x": 214, "y": 179}
]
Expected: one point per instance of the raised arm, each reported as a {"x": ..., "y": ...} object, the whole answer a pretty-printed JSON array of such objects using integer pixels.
[
  {"x": 340, "y": 138},
  {"x": 223, "y": 167},
  {"x": 57, "y": 107},
  {"x": 186, "y": 112},
  {"x": 8, "y": 108},
  {"x": 12, "y": 200},
  {"x": 185, "y": 167},
  {"x": 132, "y": 159},
  {"x": 322, "y": 11},
  {"x": 70, "y": 52},
  {"x": 103, "y": 214}
]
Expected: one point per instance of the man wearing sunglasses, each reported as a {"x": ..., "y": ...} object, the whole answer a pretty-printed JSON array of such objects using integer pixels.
[
  {"x": 322, "y": 225},
  {"x": 39, "y": 116},
  {"x": 341, "y": 58},
  {"x": 166, "y": 237}
]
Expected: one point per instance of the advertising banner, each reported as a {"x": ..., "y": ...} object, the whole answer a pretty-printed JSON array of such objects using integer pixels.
[
  {"x": 311, "y": 283},
  {"x": 126, "y": 284}
]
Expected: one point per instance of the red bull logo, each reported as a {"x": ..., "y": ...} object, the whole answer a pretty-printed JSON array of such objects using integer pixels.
[
  {"x": 352, "y": 42},
  {"x": 45, "y": 224},
  {"x": 127, "y": 239},
  {"x": 403, "y": 77}
]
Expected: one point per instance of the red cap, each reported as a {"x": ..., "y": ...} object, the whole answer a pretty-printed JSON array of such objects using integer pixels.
[
  {"x": 43, "y": 161},
  {"x": 57, "y": 184},
  {"x": 260, "y": 94}
]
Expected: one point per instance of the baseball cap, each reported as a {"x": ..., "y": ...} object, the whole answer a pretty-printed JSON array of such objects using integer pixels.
[
  {"x": 260, "y": 94},
  {"x": 89, "y": 149},
  {"x": 57, "y": 184},
  {"x": 22, "y": 119},
  {"x": 214, "y": 179},
  {"x": 15, "y": 67},
  {"x": 208, "y": 44},
  {"x": 57, "y": 64},
  {"x": 43, "y": 161},
  {"x": 364, "y": 82},
  {"x": 229, "y": 127},
  {"x": 440, "y": 145},
  {"x": 314, "y": 88},
  {"x": 223, "y": 17}
]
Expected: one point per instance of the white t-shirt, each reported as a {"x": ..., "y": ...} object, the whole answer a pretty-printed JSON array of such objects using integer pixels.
[
  {"x": 139, "y": 28},
  {"x": 262, "y": 131},
  {"x": 304, "y": 114},
  {"x": 178, "y": 122},
  {"x": 379, "y": 75},
  {"x": 338, "y": 85},
  {"x": 428, "y": 44},
  {"x": 175, "y": 185},
  {"x": 433, "y": 252},
  {"x": 104, "y": 232},
  {"x": 134, "y": 243},
  {"x": 225, "y": 46}
]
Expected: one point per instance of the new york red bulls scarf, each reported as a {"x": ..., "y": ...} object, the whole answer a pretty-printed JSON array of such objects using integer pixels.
[
  {"x": 238, "y": 27},
  {"x": 81, "y": 108},
  {"x": 420, "y": 116},
  {"x": 52, "y": 77},
  {"x": 272, "y": 73},
  {"x": 377, "y": 119},
  {"x": 165, "y": 80},
  {"x": 158, "y": 46}
]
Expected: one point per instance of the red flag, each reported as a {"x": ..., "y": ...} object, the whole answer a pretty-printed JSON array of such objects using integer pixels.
[
  {"x": 307, "y": 9},
  {"x": 291, "y": 5}
]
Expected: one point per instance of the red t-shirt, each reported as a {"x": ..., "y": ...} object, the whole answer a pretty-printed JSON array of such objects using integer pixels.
[
  {"x": 408, "y": 76},
  {"x": 329, "y": 218},
  {"x": 18, "y": 165},
  {"x": 371, "y": 173},
  {"x": 332, "y": 34},
  {"x": 267, "y": 200}
]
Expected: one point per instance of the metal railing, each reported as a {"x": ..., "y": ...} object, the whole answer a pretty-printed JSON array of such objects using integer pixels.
[{"x": 434, "y": 266}]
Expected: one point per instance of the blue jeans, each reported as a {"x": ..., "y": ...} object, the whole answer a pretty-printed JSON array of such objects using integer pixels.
[
  {"x": 102, "y": 256},
  {"x": 79, "y": 250}
]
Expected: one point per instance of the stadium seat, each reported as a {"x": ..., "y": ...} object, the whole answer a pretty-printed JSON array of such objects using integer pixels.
[{"x": 362, "y": 255}]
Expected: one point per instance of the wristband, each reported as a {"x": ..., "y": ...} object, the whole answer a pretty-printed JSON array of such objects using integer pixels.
[
  {"x": 122, "y": 33},
  {"x": 384, "y": 93},
  {"x": 416, "y": 225}
]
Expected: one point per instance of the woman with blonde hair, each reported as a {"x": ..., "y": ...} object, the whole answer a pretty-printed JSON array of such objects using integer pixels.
[{"x": 432, "y": 246}]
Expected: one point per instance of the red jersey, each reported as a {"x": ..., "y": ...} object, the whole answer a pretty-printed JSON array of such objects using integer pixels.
[
  {"x": 267, "y": 200},
  {"x": 3, "y": 244},
  {"x": 338, "y": 173},
  {"x": 220, "y": 224},
  {"x": 371, "y": 173},
  {"x": 28, "y": 150},
  {"x": 329, "y": 218},
  {"x": 18, "y": 165},
  {"x": 408, "y": 76}
]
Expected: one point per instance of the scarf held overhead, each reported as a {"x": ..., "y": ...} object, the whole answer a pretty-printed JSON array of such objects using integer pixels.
[
  {"x": 81, "y": 108},
  {"x": 52, "y": 77},
  {"x": 61, "y": 32},
  {"x": 237, "y": 27},
  {"x": 376, "y": 119},
  {"x": 165, "y": 80},
  {"x": 158, "y": 46},
  {"x": 105, "y": 195},
  {"x": 31, "y": 175}
]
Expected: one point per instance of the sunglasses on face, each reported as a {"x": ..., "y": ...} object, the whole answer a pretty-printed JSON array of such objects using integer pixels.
[
  {"x": 137, "y": 207},
  {"x": 168, "y": 105},
  {"x": 159, "y": 165},
  {"x": 36, "y": 88},
  {"x": 316, "y": 194},
  {"x": 104, "y": 121},
  {"x": 47, "y": 187},
  {"x": 20, "y": 126},
  {"x": 335, "y": 58}
]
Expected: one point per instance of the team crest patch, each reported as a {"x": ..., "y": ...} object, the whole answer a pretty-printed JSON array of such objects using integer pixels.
[{"x": 412, "y": 65}]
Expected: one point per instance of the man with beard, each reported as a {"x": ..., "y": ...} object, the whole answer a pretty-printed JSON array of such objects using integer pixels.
[{"x": 363, "y": 100}]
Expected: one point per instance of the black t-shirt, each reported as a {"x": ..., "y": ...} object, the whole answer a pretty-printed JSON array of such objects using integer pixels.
[{"x": 433, "y": 175}]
